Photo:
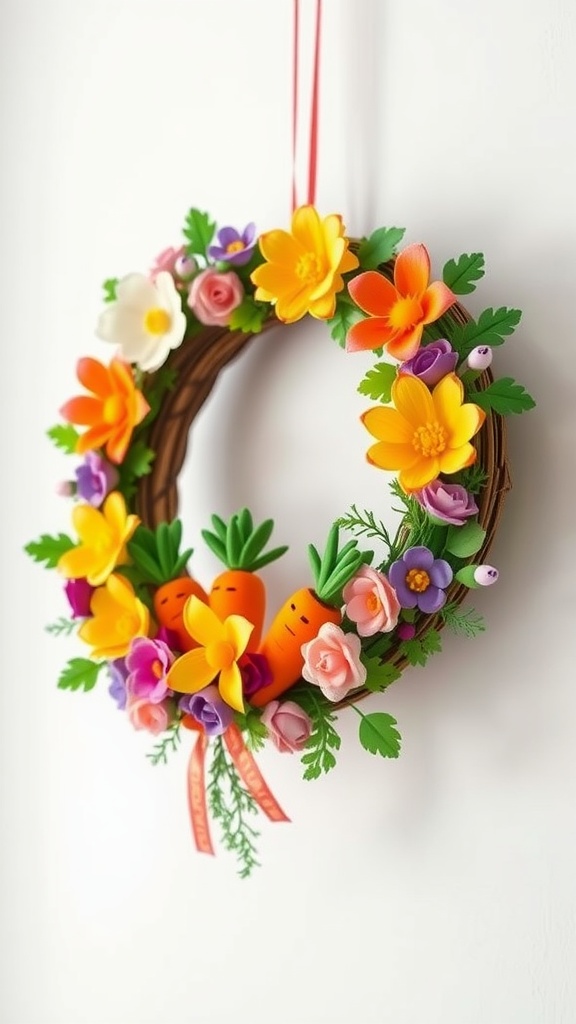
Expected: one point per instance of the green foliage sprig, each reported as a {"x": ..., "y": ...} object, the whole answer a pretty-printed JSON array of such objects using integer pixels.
[
  {"x": 230, "y": 805},
  {"x": 167, "y": 745}
]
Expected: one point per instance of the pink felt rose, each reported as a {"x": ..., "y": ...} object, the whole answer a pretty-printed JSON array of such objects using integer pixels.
[
  {"x": 145, "y": 715},
  {"x": 213, "y": 296},
  {"x": 289, "y": 727},
  {"x": 166, "y": 261},
  {"x": 332, "y": 661},
  {"x": 371, "y": 602}
]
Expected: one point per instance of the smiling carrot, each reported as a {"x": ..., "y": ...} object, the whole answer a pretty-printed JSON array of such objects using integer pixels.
[{"x": 300, "y": 618}]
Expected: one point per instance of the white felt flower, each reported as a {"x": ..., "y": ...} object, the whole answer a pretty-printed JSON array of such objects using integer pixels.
[{"x": 146, "y": 320}]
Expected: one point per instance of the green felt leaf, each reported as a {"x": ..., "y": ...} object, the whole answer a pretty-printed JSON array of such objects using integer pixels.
[
  {"x": 378, "y": 734},
  {"x": 109, "y": 289},
  {"x": 65, "y": 437},
  {"x": 48, "y": 549},
  {"x": 504, "y": 396},
  {"x": 347, "y": 314},
  {"x": 379, "y": 247},
  {"x": 418, "y": 651},
  {"x": 377, "y": 384},
  {"x": 466, "y": 576},
  {"x": 138, "y": 460},
  {"x": 491, "y": 328},
  {"x": 379, "y": 674},
  {"x": 250, "y": 316},
  {"x": 198, "y": 232},
  {"x": 460, "y": 275},
  {"x": 464, "y": 541},
  {"x": 79, "y": 674},
  {"x": 468, "y": 623}
]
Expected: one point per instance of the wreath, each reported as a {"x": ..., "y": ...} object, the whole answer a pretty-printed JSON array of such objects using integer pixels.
[{"x": 181, "y": 657}]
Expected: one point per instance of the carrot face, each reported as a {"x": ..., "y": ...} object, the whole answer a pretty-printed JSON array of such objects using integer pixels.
[
  {"x": 169, "y": 601},
  {"x": 297, "y": 622},
  {"x": 237, "y": 592}
]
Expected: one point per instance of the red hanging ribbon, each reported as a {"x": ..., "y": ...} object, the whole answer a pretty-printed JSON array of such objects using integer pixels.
[
  {"x": 313, "y": 146},
  {"x": 248, "y": 771}
]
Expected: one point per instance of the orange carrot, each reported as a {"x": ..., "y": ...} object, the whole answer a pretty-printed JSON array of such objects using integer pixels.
[
  {"x": 237, "y": 592},
  {"x": 169, "y": 601}
]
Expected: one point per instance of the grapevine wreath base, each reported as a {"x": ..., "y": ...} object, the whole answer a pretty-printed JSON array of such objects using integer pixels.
[{"x": 181, "y": 657}]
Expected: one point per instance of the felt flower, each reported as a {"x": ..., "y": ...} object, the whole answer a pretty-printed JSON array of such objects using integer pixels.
[
  {"x": 255, "y": 671},
  {"x": 214, "y": 296},
  {"x": 289, "y": 727},
  {"x": 485, "y": 575},
  {"x": 117, "y": 617},
  {"x": 167, "y": 261},
  {"x": 332, "y": 661},
  {"x": 209, "y": 710},
  {"x": 144, "y": 714},
  {"x": 146, "y": 320},
  {"x": 397, "y": 313},
  {"x": 432, "y": 362},
  {"x": 234, "y": 246},
  {"x": 450, "y": 503},
  {"x": 221, "y": 645},
  {"x": 95, "y": 478},
  {"x": 371, "y": 602},
  {"x": 304, "y": 267},
  {"x": 103, "y": 538},
  {"x": 148, "y": 662},
  {"x": 419, "y": 580},
  {"x": 79, "y": 593},
  {"x": 111, "y": 411},
  {"x": 480, "y": 358},
  {"x": 117, "y": 674},
  {"x": 426, "y": 434}
]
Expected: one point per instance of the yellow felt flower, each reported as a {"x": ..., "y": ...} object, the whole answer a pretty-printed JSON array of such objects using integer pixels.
[
  {"x": 103, "y": 538},
  {"x": 304, "y": 267},
  {"x": 117, "y": 617},
  {"x": 426, "y": 433},
  {"x": 221, "y": 644}
]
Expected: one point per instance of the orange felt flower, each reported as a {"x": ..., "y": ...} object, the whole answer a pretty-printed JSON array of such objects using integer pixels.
[
  {"x": 111, "y": 412},
  {"x": 426, "y": 433},
  {"x": 397, "y": 313}
]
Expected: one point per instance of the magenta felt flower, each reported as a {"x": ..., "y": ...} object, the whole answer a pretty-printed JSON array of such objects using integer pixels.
[
  {"x": 419, "y": 580},
  {"x": 255, "y": 672},
  {"x": 148, "y": 662},
  {"x": 450, "y": 503},
  {"x": 79, "y": 593},
  {"x": 234, "y": 246}
]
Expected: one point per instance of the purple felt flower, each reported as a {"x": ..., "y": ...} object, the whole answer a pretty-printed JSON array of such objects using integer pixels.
[
  {"x": 255, "y": 672},
  {"x": 148, "y": 662},
  {"x": 234, "y": 247},
  {"x": 118, "y": 673},
  {"x": 79, "y": 593},
  {"x": 419, "y": 580},
  {"x": 450, "y": 503},
  {"x": 432, "y": 362},
  {"x": 208, "y": 708},
  {"x": 95, "y": 478}
]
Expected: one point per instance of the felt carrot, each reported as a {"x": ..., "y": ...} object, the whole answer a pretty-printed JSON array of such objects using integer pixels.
[
  {"x": 156, "y": 555},
  {"x": 238, "y": 591},
  {"x": 300, "y": 618}
]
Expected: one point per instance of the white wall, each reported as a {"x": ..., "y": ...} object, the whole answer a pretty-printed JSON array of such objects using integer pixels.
[{"x": 438, "y": 889}]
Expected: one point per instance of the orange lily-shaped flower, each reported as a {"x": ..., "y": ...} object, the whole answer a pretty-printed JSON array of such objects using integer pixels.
[
  {"x": 103, "y": 538},
  {"x": 111, "y": 412},
  {"x": 304, "y": 267},
  {"x": 397, "y": 312},
  {"x": 427, "y": 433},
  {"x": 117, "y": 617},
  {"x": 221, "y": 644}
]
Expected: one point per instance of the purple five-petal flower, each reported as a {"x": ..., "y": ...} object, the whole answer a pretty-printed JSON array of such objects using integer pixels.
[
  {"x": 148, "y": 662},
  {"x": 208, "y": 708},
  {"x": 95, "y": 478},
  {"x": 234, "y": 247},
  {"x": 432, "y": 362},
  {"x": 419, "y": 580}
]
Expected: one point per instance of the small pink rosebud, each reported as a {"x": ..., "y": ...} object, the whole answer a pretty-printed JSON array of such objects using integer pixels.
[
  {"x": 66, "y": 488},
  {"x": 485, "y": 575},
  {"x": 480, "y": 358},
  {"x": 185, "y": 267}
]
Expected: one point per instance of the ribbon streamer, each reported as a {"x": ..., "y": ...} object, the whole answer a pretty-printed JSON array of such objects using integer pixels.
[
  {"x": 251, "y": 775},
  {"x": 197, "y": 796},
  {"x": 313, "y": 143}
]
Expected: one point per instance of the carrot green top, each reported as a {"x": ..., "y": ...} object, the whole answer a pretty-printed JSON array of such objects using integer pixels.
[
  {"x": 156, "y": 553},
  {"x": 333, "y": 569},
  {"x": 240, "y": 545}
]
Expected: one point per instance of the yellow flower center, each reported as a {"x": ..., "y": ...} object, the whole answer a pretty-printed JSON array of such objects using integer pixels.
[
  {"x": 405, "y": 313},
  {"x": 220, "y": 655},
  {"x": 373, "y": 603},
  {"x": 236, "y": 246},
  {"x": 113, "y": 409},
  {"x": 157, "y": 321},
  {"x": 417, "y": 580},
  {"x": 430, "y": 439},
  {"x": 309, "y": 268},
  {"x": 156, "y": 669}
]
